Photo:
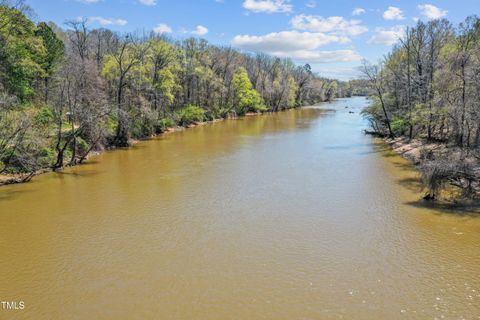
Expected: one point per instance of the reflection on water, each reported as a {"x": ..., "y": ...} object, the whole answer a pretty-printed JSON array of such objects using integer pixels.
[{"x": 295, "y": 215}]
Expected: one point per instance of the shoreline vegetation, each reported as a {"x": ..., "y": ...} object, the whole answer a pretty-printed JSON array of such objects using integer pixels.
[
  {"x": 425, "y": 105},
  {"x": 460, "y": 187},
  {"x": 453, "y": 187},
  {"x": 17, "y": 178},
  {"x": 67, "y": 92}
]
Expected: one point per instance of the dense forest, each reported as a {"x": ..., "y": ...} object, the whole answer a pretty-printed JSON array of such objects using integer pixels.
[
  {"x": 67, "y": 92},
  {"x": 428, "y": 88}
]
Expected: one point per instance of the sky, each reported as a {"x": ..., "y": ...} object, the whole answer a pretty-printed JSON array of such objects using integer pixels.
[{"x": 332, "y": 36}]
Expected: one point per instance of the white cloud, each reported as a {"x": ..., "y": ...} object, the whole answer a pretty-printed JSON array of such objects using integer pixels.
[
  {"x": 284, "y": 41},
  {"x": 300, "y": 46},
  {"x": 268, "y": 6},
  {"x": 358, "y": 11},
  {"x": 340, "y": 73},
  {"x": 162, "y": 28},
  {"x": 429, "y": 11},
  {"x": 200, "y": 30},
  {"x": 148, "y": 2},
  {"x": 311, "y": 4},
  {"x": 387, "y": 36},
  {"x": 337, "y": 25},
  {"x": 309, "y": 56},
  {"x": 393, "y": 13},
  {"x": 107, "y": 21}
]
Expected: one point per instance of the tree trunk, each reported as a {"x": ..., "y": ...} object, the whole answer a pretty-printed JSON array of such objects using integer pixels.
[
  {"x": 387, "y": 120},
  {"x": 121, "y": 137}
]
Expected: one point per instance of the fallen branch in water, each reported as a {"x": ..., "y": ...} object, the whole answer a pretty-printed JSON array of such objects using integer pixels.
[{"x": 374, "y": 133}]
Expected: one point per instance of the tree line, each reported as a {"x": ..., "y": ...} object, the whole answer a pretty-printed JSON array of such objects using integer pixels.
[
  {"x": 67, "y": 92},
  {"x": 428, "y": 88}
]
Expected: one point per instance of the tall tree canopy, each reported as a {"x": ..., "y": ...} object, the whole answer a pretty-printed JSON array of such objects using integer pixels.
[{"x": 64, "y": 93}]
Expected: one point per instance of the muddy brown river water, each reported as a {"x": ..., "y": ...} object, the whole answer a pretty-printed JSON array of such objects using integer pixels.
[{"x": 294, "y": 215}]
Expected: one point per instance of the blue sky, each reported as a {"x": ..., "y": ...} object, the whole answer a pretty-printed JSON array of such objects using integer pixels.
[{"x": 333, "y": 36}]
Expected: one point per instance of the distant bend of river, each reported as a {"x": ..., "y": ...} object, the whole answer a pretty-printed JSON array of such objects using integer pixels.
[{"x": 293, "y": 215}]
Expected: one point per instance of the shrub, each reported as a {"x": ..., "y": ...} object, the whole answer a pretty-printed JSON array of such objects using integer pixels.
[
  {"x": 111, "y": 125},
  {"x": 82, "y": 146},
  {"x": 191, "y": 114},
  {"x": 448, "y": 169},
  {"x": 44, "y": 116},
  {"x": 47, "y": 157},
  {"x": 138, "y": 130},
  {"x": 220, "y": 112},
  {"x": 164, "y": 124},
  {"x": 399, "y": 126}
]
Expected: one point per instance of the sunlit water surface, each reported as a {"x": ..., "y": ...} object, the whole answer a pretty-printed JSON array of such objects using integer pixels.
[{"x": 295, "y": 215}]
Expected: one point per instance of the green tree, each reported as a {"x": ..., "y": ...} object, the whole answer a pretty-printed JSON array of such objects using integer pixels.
[
  {"x": 161, "y": 60},
  {"x": 55, "y": 50},
  {"x": 247, "y": 99},
  {"x": 331, "y": 91},
  {"x": 119, "y": 69},
  {"x": 21, "y": 53}
]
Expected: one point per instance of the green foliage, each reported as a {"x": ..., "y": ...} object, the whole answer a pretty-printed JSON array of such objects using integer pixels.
[
  {"x": 23, "y": 141},
  {"x": 191, "y": 114},
  {"x": 247, "y": 98},
  {"x": 81, "y": 145},
  {"x": 399, "y": 125},
  {"x": 292, "y": 92},
  {"x": 44, "y": 116},
  {"x": 219, "y": 112},
  {"x": 83, "y": 87},
  {"x": 21, "y": 53},
  {"x": 332, "y": 91},
  {"x": 420, "y": 114},
  {"x": 165, "y": 123},
  {"x": 140, "y": 128},
  {"x": 111, "y": 125},
  {"x": 110, "y": 68},
  {"x": 161, "y": 62},
  {"x": 47, "y": 157},
  {"x": 374, "y": 114},
  {"x": 54, "y": 48},
  {"x": 125, "y": 64},
  {"x": 9, "y": 161},
  {"x": 166, "y": 85}
]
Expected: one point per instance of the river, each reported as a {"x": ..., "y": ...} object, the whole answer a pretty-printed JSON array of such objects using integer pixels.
[{"x": 294, "y": 215}]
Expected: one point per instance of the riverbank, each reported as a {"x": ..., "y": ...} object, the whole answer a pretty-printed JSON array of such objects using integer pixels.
[
  {"x": 452, "y": 173},
  {"x": 16, "y": 178}
]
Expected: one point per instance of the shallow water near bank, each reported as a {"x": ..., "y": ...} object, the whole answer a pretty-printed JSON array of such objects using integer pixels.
[{"x": 294, "y": 215}]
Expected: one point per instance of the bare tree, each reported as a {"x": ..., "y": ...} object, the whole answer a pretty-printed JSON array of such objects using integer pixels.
[{"x": 373, "y": 74}]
